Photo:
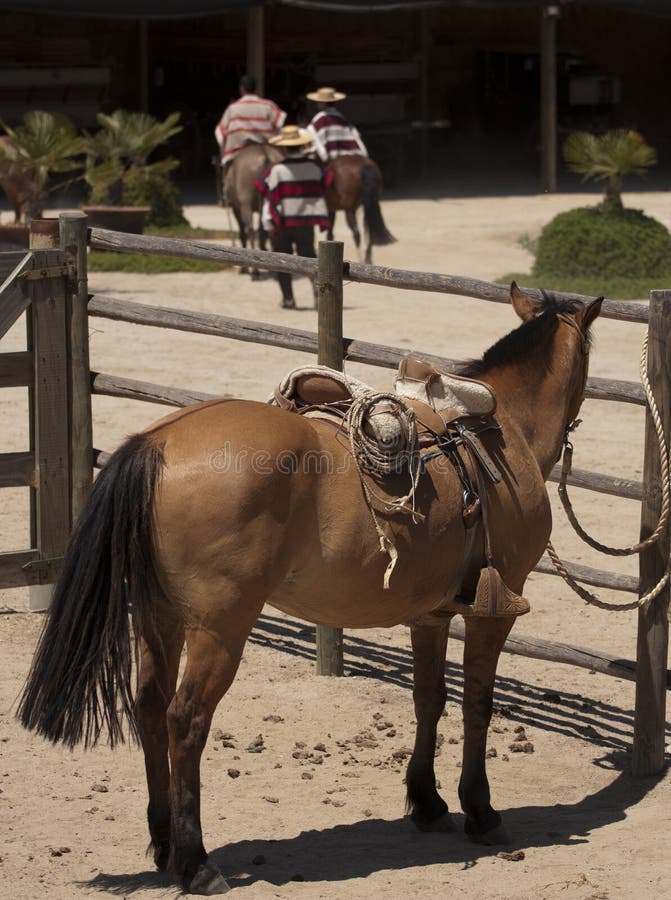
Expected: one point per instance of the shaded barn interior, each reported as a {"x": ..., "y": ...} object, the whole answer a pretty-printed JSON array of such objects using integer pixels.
[{"x": 447, "y": 92}]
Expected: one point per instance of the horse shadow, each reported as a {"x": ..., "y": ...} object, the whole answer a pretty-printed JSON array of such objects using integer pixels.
[
  {"x": 358, "y": 849},
  {"x": 533, "y": 705},
  {"x": 362, "y": 848}
]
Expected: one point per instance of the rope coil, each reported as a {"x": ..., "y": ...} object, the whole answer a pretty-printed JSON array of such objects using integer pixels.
[{"x": 371, "y": 459}]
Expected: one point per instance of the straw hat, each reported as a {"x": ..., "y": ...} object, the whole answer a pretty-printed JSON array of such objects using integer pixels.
[
  {"x": 291, "y": 136},
  {"x": 326, "y": 95}
]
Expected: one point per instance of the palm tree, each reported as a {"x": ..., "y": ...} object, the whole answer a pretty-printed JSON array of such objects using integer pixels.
[
  {"x": 122, "y": 146},
  {"x": 44, "y": 145},
  {"x": 609, "y": 157}
]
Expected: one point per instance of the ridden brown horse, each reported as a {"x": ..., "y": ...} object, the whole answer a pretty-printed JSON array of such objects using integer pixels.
[
  {"x": 241, "y": 194},
  {"x": 215, "y": 510},
  {"x": 357, "y": 181}
]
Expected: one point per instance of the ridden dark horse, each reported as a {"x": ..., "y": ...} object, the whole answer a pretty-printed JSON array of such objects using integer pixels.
[
  {"x": 186, "y": 531},
  {"x": 357, "y": 181},
  {"x": 241, "y": 194}
]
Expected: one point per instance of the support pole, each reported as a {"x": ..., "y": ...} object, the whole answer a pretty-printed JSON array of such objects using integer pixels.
[
  {"x": 330, "y": 353},
  {"x": 50, "y": 408},
  {"x": 548, "y": 98},
  {"x": 653, "y": 624},
  {"x": 73, "y": 243},
  {"x": 143, "y": 54},
  {"x": 256, "y": 47},
  {"x": 425, "y": 50}
]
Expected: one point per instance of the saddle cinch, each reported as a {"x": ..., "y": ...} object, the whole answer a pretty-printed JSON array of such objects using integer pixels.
[{"x": 447, "y": 412}]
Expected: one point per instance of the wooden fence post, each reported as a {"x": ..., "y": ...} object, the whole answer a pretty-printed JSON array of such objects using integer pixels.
[
  {"x": 548, "y": 99},
  {"x": 653, "y": 624},
  {"x": 50, "y": 412},
  {"x": 73, "y": 244},
  {"x": 330, "y": 353}
]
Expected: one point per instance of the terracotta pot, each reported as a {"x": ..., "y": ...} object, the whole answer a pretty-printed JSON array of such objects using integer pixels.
[
  {"x": 14, "y": 237},
  {"x": 130, "y": 219}
]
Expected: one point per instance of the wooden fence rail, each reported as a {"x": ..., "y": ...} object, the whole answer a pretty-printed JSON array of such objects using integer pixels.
[
  {"x": 380, "y": 355},
  {"x": 102, "y": 239}
]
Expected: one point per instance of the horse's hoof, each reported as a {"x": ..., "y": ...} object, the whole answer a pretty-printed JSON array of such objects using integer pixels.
[
  {"x": 162, "y": 856},
  {"x": 255, "y": 275},
  {"x": 490, "y": 838},
  {"x": 208, "y": 881},
  {"x": 442, "y": 824}
]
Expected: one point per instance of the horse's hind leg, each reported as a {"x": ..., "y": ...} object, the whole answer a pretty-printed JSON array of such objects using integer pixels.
[
  {"x": 159, "y": 664},
  {"x": 427, "y": 808},
  {"x": 350, "y": 216},
  {"x": 213, "y": 657},
  {"x": 368, "y": 255},
  {"x": 485, "y": 638},
  {"x": 329, "y": 233}
]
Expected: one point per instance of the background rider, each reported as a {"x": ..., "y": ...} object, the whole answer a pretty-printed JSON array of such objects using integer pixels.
[{"x": 293, "y": 202}]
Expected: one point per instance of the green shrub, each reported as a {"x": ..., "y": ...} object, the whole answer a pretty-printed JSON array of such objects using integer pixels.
[
  {"x": 156, "y": 191},
  {"x": 603, "y": 242},
  {"x": 109, "y": 261}
]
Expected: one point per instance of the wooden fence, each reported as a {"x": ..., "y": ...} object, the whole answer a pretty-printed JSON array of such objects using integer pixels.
[
  {"x": 58, "y": 466},
  {"x": 49, "y": 284}
]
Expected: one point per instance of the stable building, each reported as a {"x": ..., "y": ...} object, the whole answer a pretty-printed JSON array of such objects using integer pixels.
[{"x": 437, "y": 87}]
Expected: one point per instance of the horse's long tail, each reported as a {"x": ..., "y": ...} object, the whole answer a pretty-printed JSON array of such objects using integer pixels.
[
  {"x": 372, "y": 214},
  {"x": 80, "y": 681}
]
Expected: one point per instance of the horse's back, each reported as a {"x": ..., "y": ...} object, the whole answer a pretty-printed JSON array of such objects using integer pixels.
[
  {"x": 344, "y": 190},
  {"x": 249, "y": 163},
  {"x": 269, "y": 503}
]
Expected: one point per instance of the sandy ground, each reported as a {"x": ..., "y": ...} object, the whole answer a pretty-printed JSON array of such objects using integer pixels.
[{"x": 329, "y": 822}]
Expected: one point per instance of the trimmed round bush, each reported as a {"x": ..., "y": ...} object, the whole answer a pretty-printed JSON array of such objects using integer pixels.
[{"x": 603, "y": 241}]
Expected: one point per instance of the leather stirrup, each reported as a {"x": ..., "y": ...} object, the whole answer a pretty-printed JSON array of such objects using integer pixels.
[{"x": 494, "y": 598}]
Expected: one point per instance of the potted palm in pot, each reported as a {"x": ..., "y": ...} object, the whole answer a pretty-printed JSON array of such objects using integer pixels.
[
  {"x": 44, "y": 145},
  {"x": 127, "y": 190}
]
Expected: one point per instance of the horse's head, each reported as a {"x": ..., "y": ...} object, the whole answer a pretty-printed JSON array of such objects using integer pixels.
[{"x": 573, "y": 320}]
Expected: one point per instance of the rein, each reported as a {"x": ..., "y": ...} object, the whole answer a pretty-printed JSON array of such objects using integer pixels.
[{"x": 603, "y": 548}]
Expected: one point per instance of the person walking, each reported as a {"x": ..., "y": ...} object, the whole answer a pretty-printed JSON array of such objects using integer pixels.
[
  {"x": 331, "y": 132},
  {"x": 250, "y": 119},
  {"x": 293, "y": 202}
]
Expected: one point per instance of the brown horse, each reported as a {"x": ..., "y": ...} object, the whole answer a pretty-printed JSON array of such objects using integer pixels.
[
  {"x": 241, "y": 194},
  {"x": 197, "y": 522},
  {"x": 357, "y": 181}
]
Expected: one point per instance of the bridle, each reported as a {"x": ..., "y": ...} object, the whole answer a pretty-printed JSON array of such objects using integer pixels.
[{"x": 573, "y": 422}]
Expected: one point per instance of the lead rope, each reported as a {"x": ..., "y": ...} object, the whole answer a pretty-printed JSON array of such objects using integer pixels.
[{"x": 613, "y": 551}]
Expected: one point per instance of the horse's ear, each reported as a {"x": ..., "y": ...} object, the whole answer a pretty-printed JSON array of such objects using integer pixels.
[
  {"x": 524, "y": 306},
  {"x": 588, "y": 313}
]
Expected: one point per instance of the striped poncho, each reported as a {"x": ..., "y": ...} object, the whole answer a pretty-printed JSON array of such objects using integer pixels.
[
  {"x": 334, "y": 136},
  {"x": 293, "y": 194},
  {"x": 250, "y": 118}
]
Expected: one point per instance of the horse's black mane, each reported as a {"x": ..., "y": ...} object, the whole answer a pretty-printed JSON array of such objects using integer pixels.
[{"x": 527, "y": 337}]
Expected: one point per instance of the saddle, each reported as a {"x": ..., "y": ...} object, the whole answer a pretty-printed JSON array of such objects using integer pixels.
[{"x": 431, "y": 413}]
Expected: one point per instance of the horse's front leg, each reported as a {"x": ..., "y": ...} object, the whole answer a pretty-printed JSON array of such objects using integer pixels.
[
  {"x": 329, "y": 233},
  {"x": 427, "y": 808},
  {"x": 484, "y": 641},
  {"x": 255, "y": 237}
]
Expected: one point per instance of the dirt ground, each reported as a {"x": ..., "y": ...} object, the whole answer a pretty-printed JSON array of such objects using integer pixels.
[{"x": 319, "y": 812}]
